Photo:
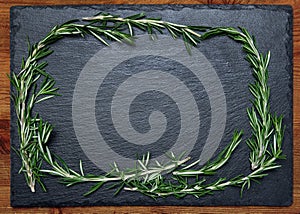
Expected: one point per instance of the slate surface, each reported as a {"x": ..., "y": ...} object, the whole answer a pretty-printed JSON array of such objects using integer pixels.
[{"x": 272, "y": 26}]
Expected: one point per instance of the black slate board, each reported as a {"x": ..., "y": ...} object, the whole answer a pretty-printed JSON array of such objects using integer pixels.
[{"x": 272, "y": 26}]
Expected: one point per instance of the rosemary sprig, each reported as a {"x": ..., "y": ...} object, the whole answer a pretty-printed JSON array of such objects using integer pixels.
[
  {"x": 265, "y": 145},
  {"x": 101, "y": 28},
  {"x": 28, "y": 126},
  {"x": 211, "y": 167},
  {"x": 262, "y": 157},
  {"x": 189, "y": 34},
  {"x": 143, "y": 171},
  {"x": 27, "y": 93}
]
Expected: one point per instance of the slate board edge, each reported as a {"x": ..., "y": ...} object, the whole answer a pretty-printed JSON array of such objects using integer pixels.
[{"x": 286, "y": 8}]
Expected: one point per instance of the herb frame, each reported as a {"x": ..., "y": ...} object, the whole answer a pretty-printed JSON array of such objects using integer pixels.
[{"x": 267, "y": 130}]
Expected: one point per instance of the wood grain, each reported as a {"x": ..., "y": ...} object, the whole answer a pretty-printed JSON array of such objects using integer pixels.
[{"x": 5, "y": 115}]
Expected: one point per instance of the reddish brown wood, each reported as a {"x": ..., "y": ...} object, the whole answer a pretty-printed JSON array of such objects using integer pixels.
[{"x": 5, "y": 112}]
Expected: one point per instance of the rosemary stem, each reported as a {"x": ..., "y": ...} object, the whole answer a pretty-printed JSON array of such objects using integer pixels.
[
  {"x": 31, "y": 180},
  {"x": 66, "y": 174},
  {"x": 212, "y": 186},
  {"x": 24, "y": 154},
  {"x": 159, "y": 23}
]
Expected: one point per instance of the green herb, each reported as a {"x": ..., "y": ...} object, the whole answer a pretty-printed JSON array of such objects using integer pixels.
[{"x": 265, "y": 144}]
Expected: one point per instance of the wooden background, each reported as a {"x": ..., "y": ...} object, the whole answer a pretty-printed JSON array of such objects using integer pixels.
[{"x": 5, "y": 115}]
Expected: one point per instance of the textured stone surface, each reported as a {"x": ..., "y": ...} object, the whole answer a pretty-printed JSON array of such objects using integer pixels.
[{"x": 271, "y": 26}]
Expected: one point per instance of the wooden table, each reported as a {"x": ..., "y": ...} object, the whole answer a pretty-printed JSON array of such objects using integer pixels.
[{"x": 5, "y": 115}]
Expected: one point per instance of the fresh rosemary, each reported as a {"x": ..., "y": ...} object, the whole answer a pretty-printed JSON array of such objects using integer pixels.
[{"x": 267, "y": 130}]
